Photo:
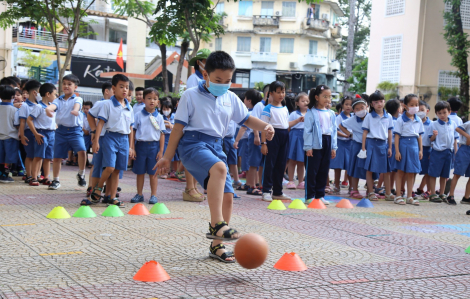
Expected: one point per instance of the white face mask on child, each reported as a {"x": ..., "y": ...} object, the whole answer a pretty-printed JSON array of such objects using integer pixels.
[
  {"x": 413, "y": 110},
  {"x": 361, "y": 113},
  {"x": 421, "y": 114},
  {"x": 166, "y": 112}
]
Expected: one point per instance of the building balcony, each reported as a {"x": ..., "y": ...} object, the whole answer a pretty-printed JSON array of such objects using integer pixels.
[
  {"x": 223, "y": 21},
  {"x": 336, "y": 32},
  {"x": 314, "y": 60},
  {"x": 268, "y": 21},
  {"x": 263, "y": 57},
  {"x": 38, "y": 37},
  {"x": 317, "y": 24}
]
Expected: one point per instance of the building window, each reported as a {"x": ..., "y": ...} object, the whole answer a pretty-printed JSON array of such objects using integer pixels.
[
  {"x": 243, "y": 44},
  {"x": 447, "y": 79},
  {"x": 265, "y": 44},
  {"x": 313, "y": 13},
  {"x": 287, "y": 45},
  {"x": 267, "y": 8},
  {"x": 288, "y": 9},
  {"x": 245, "y": 8},
  {"x": 464, "y": 13},
  {"x": 313, "y": 47},
  {"x": 218, "y": 44},
  {"x": 391, "y": 59},
  {"x": 219, "y": 9},
  {"x": 394, "y": 8},
  {"x": 115, "y": 36},
  {"x": 243, "y": 79}
]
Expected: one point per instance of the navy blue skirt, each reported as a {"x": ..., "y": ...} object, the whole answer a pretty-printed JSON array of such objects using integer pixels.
[
  {"x": 409, "y": 150},
  {"x": 296, "y": 145},
  {"x": 377, "y": 157},
  {"x": 356, "y": 165},
  {"x": 343, "y": 154}
]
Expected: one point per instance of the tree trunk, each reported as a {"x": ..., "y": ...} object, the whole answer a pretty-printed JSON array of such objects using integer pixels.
[
  {"x": 164, "y": 69},
  {"x": 350, "y": 47},
  {"x": 179, "y": 69}
]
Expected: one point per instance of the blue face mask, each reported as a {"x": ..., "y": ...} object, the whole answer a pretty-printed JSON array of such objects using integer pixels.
[{"x": 218, "y": 89}]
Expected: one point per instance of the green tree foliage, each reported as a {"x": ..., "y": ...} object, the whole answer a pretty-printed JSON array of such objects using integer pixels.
[
  {"x": 389, "y": 89},
  {"x": 30, "y": 59},
  {"x": 358, "y": 80}
]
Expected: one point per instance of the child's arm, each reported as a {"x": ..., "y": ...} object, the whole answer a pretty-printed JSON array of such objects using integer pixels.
[
  {"x": 259, "y": 125},
  {"x": 296, "y": 121},
  {"x": 131, "y": 143},
  {"x": 397, "y": 148},
  {"x": 264, "y": 146},
  {"x": 131, "y": 146},
  {"x": 50, "y": 110},
  {"x": 96, "y": 142},
  {"x": 257, "y": 140},
  {"x": 389, "y": 143},
  {"x": 38, "y": 136},
  {"x": 345, "y": 133},
  {"x": 163, "y": 164},
  {"x": 92, "y": 124},
  {"x": 168, "y": 124},
  {"x": 464, "y": 134},
  {"x": 76, "y": 109},
  {"x": 420, "y": 144},
  {"x": 434, "y": 135},
  {"x": 239, "y": 136},
  {"x": 24, "y": 139},
  {"x": 308, "y": 134},
  {"x": 364, "y": 137},
  {"x": 162, "y": 147}
]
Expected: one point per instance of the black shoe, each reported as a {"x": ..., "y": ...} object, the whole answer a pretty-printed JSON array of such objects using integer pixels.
[
  {"x": 54, "y": 185},
  {"x": 419, "y": 191},
  {"x": 465, "y": 201},
  {"x": 81, "y": 180},
  {"x": 451, "y": 201}
]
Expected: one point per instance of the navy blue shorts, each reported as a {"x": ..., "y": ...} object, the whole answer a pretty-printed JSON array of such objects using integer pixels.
[
  {"x": 440, "y": 163},
  {"x": 425, "y": 160},
  {"x": 243, "y": 153},
  {"x": 199, "y": 152},
  {"x": 230, "y": 151},
  {"x": 68, "y": 138},
  {"x": 255, "y": 157},
  {"x": 145, "y": 157},
  {"x": 29, "y": 149},
  {"x": 115, "y": 149},
  {"x": 462, "y": 161},
  {"x": 9, "y": 151},
  {"x": 46, "y": 149},
  {"x": 167, "y": 138},
  {"x": 87, "y": 140}
]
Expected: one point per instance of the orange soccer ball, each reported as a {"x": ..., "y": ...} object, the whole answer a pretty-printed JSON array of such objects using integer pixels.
[{"x": 251, "y": 251}]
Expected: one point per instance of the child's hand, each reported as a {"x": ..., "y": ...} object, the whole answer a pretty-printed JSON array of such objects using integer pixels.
[
  {"x": 24, "y": 140},
  {"x": 420, "y": 155},
  {"x": 39, "y": 139},
  {"x": 310, "y": 153},
  {"x": 235, "y": 145},
  {"x": 389, "y": 152},
  {"x": 269, "y": 132},
  {"x": 301, "y": 119},
  {"x": 398, "y": 156},
  {"x": 95, "y": 147},
  {"x": 49, "y": 113},
  {"x": 333, "y": 154},
  {"x": 159, "y": 155},
  {"x": 162, "y": 166},
  {"x": 257, "y": 141},
  {"x": 132, "y": 154},
  {"x": 264, "y": 149},
  {"x": 73, "y": 112},
  {"x": 18, "y": 104},
  {"x": 468, "y": 141},
  {"x": 435, "y": 132}
]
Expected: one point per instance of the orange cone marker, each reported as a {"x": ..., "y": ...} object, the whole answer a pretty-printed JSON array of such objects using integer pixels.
[
  {"x": 317, "y": 204},
  {"x": 139, "y": 209},
  {"x": 151, "y": 272},
  {"x": 345, "y": 204},
  {"x": 290, "y": 262}
]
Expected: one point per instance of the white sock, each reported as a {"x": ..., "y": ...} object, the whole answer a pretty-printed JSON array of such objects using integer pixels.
[
  {"x": 81, "y": 171},
  {"x": 56, "y": 179}
]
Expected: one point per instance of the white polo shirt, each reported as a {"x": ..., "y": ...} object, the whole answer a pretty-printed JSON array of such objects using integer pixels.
[
  {"x": 86, "y": 125},
  {"x": 354, "y": 125},
  {"x": 377, "y": 126},
  {"x": 10, "y": 121},
  {"x": 258, "y": 109},
  {"x": 277, "y": 116},
  {"x": 426, "y": 139},
  {"x": 194, "y": 80},
  {"x": 138, "y": 107},
  {"x": 171, "y": 119},
  {"x": 25, "y": 111},
  {"x": 339, "y": 120},
  {"x": 466, "y": 128},
  {"x": 200, "y": 111},
  {"x": 64, "y": 107},
  {"x": 446, "y": 134},
  {"x": 457, "y": 120},
  {"x": 144, "y": 129},
  {"x": 295, "y": 115},
  {"x": 40, "y": 119},
  {"x": 118, "y": 119},
  {"x": 95, "y": 111},
  {"x": 232, "y": 129},
  {"x": 406, "y": 127}
]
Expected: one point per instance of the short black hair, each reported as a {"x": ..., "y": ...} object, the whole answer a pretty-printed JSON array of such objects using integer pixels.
[
  {"x": 32, "y": 85},
  {"x": 339, "y": 107},
  {"x": 376, "y": 96},
  {"x": 151, "y": 90},
  {"x": 365, "y": 97},
  {"x": 344, "y": 99},
  {"x": 88, "y": 103},
  {"x": 455, "y": 103},
  {"x": 254, "y": 96},
  {"x": 357, "y": 101},
  {"x": 266, "y": 91},
  {"x": 297, "y": 99},
  {"x": 441, "y": 105},
  {"x": 139, "y": 89},
  {"x": 166, "y": 102},
  {"x": 6, "y": 92},
  {"x": 46, "y": 88},
  {"x": 106, "y": 86},
  {"x": 275, "y": 85},
  {"x": 423, "y": 103},
  {"x": 71, "y": 78},
  {"x": 131, "y": 86},
  {"x": 23, "y": 83},
  {"x": 408, "y": 98},
  {"x": 315, "y": 92},
  {"x": 392, "y": 106},
  {"x": 8, "y": 81},
  {"x": 219, "y": 60},
  {"x": 117, "y": 78},
  {"x": 16, "y": 79}
]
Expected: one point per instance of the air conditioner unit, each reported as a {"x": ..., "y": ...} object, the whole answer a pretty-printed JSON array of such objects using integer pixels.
[
  {"x": 294, "y": 65},
  {"x": 325, "y": 16},
  {"x": 278, "y": 13}
]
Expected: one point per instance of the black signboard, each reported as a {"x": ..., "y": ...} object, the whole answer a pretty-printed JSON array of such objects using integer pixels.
[{"x": 88, "y": 70}]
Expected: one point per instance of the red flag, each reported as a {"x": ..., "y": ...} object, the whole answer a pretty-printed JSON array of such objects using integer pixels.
[{"x": 119, "y": 59}]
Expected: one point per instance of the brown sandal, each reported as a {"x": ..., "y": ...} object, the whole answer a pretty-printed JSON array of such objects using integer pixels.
[{"x": 192, "y": 198}]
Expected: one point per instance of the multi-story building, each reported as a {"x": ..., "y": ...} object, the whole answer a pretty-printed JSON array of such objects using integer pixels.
[
  {"x": 407, "y": 47},
  {"x": 284, "y": 40}
]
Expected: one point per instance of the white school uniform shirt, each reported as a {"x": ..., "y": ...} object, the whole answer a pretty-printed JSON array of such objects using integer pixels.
[
  {"x": 138, "y": 107},
  {"x": 10, "y": 120},
  {"x": 258, "y": 109},
  {"x": 339, "y": 120},
  {"x": 25, "y": 111},
  {"x": 200, "y": 111},
  {"x": 446, "y": 134},
  {"x": 466, "y": 128},
  {"x": 295, "y": 115},
  {"x": 277, "y": 116},
  {"x": 63, "y": 109},
  {"x": 118, "y": 119},
  {"x": 232, "y": 129},
  {"x": 457, "y": 120},
  {"x": 248, "y": 130},
  {"x": 86, "y": 125},
  {"x": 426, "y": 140},
  {"x": 40, "y": 119},
  {"x": 95, "y": 111},
  {"x": 194, "y": 80},
  {"x": 325, "y": 121},
  {"x": 406, "y": 127},
  {"x": 377, "y": 126},
  {"x": 354, "y": 125},
  {"x": 394, "y": 123},
  {"x": 171, "y": 119},
  {"x": 144, "y": 129}
]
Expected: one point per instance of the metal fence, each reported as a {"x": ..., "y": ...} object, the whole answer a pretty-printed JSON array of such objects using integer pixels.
[{"x": 39, "y": 37}]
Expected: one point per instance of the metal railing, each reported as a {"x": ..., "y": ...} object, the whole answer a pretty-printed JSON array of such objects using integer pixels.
[
  {"x": 39, "y": 37},
  {"x": 318, "y": 24},
  {"x": 316, "y": 60},
  {"x": 266, "y": 21},
  {"x": 264, "y": 56}
]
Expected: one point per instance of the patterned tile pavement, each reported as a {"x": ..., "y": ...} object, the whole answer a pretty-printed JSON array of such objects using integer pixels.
[{"x": 388, "y": 251}]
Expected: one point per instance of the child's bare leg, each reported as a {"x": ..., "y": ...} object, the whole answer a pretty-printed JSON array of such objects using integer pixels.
[
  {"x": 114, "y": 183},
  {"x": 423, "y": 182},
  {"x": 453, "y": 184},
  {"x": 346, "y": 176},
  {"x": 354, "y": 182},
  {"x": 140, "y": 183},
  {"x": 215, "y": 192},
  {"x": 70, "y": 154},
  {"x": 467, "y": 189},
  {"x": 90, "y": 177},
  {"x": 234, "y": 172},
  {"x": 291, "y": 170},
  {"x": 432, "y": 184},
  {"x": 153, "y": 185},
  {"x": 393, "y": 175},
  {"x": 370, "y": 182},
  {"x": 388, "y": 190},
  {"x": 337, "y": 178},
  {"x": 410, "y": 179},
  {"x": 300, "y": 172},
  {"x": 442, "y": 184},
  {"x": 381, "y": 180},
  {"x": 28, "y": 164},
  {"x": 56, "y": 165},
  {"x": 46, "y": 165},
  {"x": 81, "y": 162},
  {"x": 191, "y": 184},
  {"x": 35, "y": 168},
  {"x": 400, "y": 177},
  {"x": 104, "y": 177}
]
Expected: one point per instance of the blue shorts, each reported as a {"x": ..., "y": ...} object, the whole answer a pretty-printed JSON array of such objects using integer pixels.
[
  {"x": 9, "y": 151},
  {"x": 343, "y": 154},
  {"x": 243, "y": 153},
  {"x": 29, "y": 149},
  {"x": 462, "y": 161},
  {"x": 146, "y": 157},
  {"x": 67, "y": 138},
  {"x": 425, "y": 160},
  {"x": 255, "y": 157},
  {"x": 439, "y": 164},
  {"x": 175, "y": 157},
  {"x": 97, "y": 162},
  {"x": 46, "y": 149},
  {"x": 199, "y": 152},
  {"x": 87, "y": 140},
  {"x": 115, "y": 149},
  {"x": 296, "y": 145},
  {"x": 409, "y": 151},
  {"x": 230, "y": 151},
  {"x": 377, "y": 157}
]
